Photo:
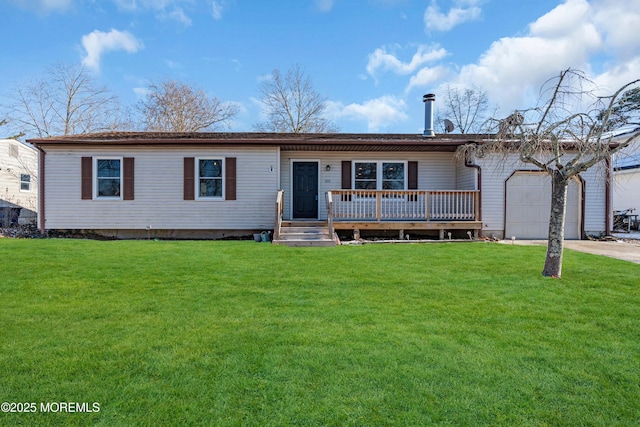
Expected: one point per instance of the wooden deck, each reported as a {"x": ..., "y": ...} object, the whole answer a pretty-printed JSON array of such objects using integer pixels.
[{"x": 404, "y": 211}]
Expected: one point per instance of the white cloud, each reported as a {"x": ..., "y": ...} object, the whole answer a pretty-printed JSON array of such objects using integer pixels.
[
  {"x": 173, "y": 64},
  {"x": 513, "y": 68},
  {"x": 45, "y": 6},
  {"x": 380, "y": 59},
  {"x": 562, "y": 20},
  {"x": 216, "y": 9},
  {"x": 619, "y": 21},
  {"x": 177, "y": 15},
  {"x": 427, "y": 76},
  {"x": 377, "y": 113},
  {"x": 56, "y": 4},
  {"x": 615, "y": 77},
  {"x": 325, "y": 5},
  {"x": 463, "y": 11},
  {"x": 98, "y": 42},
  {"x": 128, "y": 5},
  {"x": 164, "y": 9}
]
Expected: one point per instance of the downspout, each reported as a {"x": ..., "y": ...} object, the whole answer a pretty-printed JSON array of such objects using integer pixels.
[
  {"x": 607, "y": 200},
  {"x": 41, "y": 186},
  {"x": 469, "y": 164}
]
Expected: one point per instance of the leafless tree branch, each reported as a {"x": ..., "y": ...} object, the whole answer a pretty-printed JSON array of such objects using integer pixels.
[
  {"x": 178, "y": 107},
  {"x": 65, "y": 101},
  {"x": 291, "y": 104}
]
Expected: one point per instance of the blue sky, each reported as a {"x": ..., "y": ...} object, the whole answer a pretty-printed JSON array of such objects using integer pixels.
[{"x": 372, "y": 59}]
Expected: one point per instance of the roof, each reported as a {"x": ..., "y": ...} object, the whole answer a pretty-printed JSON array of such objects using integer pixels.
[
  {"x": 286, "y": 141},
  {"x": 16, "y": 142}
]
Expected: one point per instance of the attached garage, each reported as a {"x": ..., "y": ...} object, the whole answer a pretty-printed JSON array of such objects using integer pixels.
[{"x": 528, "y": 205}]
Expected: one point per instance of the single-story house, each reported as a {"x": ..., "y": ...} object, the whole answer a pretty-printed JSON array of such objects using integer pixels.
[
  {"x": 216, "y": 185},
  {"x": 18, "y": 183}
]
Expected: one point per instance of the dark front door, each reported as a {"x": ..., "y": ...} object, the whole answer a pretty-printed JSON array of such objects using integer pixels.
[{"x": 305, "y": 190}]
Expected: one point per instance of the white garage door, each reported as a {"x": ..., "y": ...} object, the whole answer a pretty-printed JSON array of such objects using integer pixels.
[{"x": 528, "y": 206}]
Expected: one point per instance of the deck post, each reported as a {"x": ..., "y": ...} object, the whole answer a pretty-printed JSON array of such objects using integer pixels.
[
  {"x": 476, "y": 206},
  {"x": 378, "y": 206},
  {"x": 427, "y": 206}
]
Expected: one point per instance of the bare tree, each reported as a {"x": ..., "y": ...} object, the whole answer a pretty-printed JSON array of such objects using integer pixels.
[
  {"x": 466, "y": 108},
  {"x": 3, "y": 122},
  {"x": 291, "y": 104},
  {"x": 174, "y": 106},
  {"x": 562, "y": 142},
  {"x": 65, "y": 101}
]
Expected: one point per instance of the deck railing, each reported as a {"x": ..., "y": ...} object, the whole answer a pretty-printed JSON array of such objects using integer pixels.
[
  {"x": 408, "y": 205},
  {"x": 279, "y": 211},
  {"x": 329, "y": 216}
]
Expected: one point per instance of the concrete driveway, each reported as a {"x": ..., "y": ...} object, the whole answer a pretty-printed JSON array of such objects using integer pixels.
[{"x": 628, "y": 250}]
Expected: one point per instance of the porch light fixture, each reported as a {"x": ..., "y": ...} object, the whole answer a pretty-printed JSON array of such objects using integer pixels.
[{"x": 327, "y": 168}]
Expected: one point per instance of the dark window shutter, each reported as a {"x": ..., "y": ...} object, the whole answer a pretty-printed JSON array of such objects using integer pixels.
[
  {"x": 189, "y": 178},
  {"x": 87, "y": 178},
  {"x": 230, "y": 178},
  {"x": 412, "y": 176},
  {"x": 128, "y": 172},
  {"x": 346, "y": 175}
]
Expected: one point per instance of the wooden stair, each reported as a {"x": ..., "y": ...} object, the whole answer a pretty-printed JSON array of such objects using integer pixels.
[{"x": 304, "y": 233}]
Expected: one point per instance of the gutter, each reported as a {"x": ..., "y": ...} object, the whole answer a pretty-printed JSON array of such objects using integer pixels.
[
  {"x": 607, "y": 201},
  {"x": 469, "y": 164},
  {"x": 41, "y": 187}
]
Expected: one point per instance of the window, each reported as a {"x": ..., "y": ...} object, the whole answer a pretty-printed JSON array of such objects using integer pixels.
[
  {"x": 205, "y": 178},
  {"x": 210, "y": 178},
  {"x": 108, "y": 178},
  {"x": 25, "y": 182},
  {"x": 366, "y": 176},
  {"x": 393, "y": 176},
  {"x": 379, "y": 175}
]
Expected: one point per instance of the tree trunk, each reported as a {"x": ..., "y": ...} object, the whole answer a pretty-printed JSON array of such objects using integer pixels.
[{"x": 555, "y": 246}]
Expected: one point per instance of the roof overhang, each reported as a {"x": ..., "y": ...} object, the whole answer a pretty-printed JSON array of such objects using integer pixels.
[{"x": 285, "y": 141}]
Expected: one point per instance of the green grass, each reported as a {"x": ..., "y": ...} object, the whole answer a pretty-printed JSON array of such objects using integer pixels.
[{"x": 239, "y": 333}]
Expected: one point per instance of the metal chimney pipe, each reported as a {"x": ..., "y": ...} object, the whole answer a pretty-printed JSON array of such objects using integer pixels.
[{"x": 428, "y": 100}]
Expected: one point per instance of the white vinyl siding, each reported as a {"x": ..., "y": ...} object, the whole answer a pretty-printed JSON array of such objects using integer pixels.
[
  {"x": 466, "y": 177},
  {"x": 495, "y": 172},
  {"x": 159, "y": 185},
  {"x": 436, "y": 171},
  {"x": 17, "y": 162},
  {"x": 627, "y": 190}
]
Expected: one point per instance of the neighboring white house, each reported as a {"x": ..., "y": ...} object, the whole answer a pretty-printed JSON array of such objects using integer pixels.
[
  {"x": 18, "y": 183},
  {"x": 626, "y": 183},
  {"x": 200, "y": 185}
]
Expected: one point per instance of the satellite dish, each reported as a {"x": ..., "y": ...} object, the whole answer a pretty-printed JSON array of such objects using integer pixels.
[{"x": 448, "y": 125}]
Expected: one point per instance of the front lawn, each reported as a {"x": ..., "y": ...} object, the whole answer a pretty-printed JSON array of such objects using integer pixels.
[{"x": 240, "y": 333}]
